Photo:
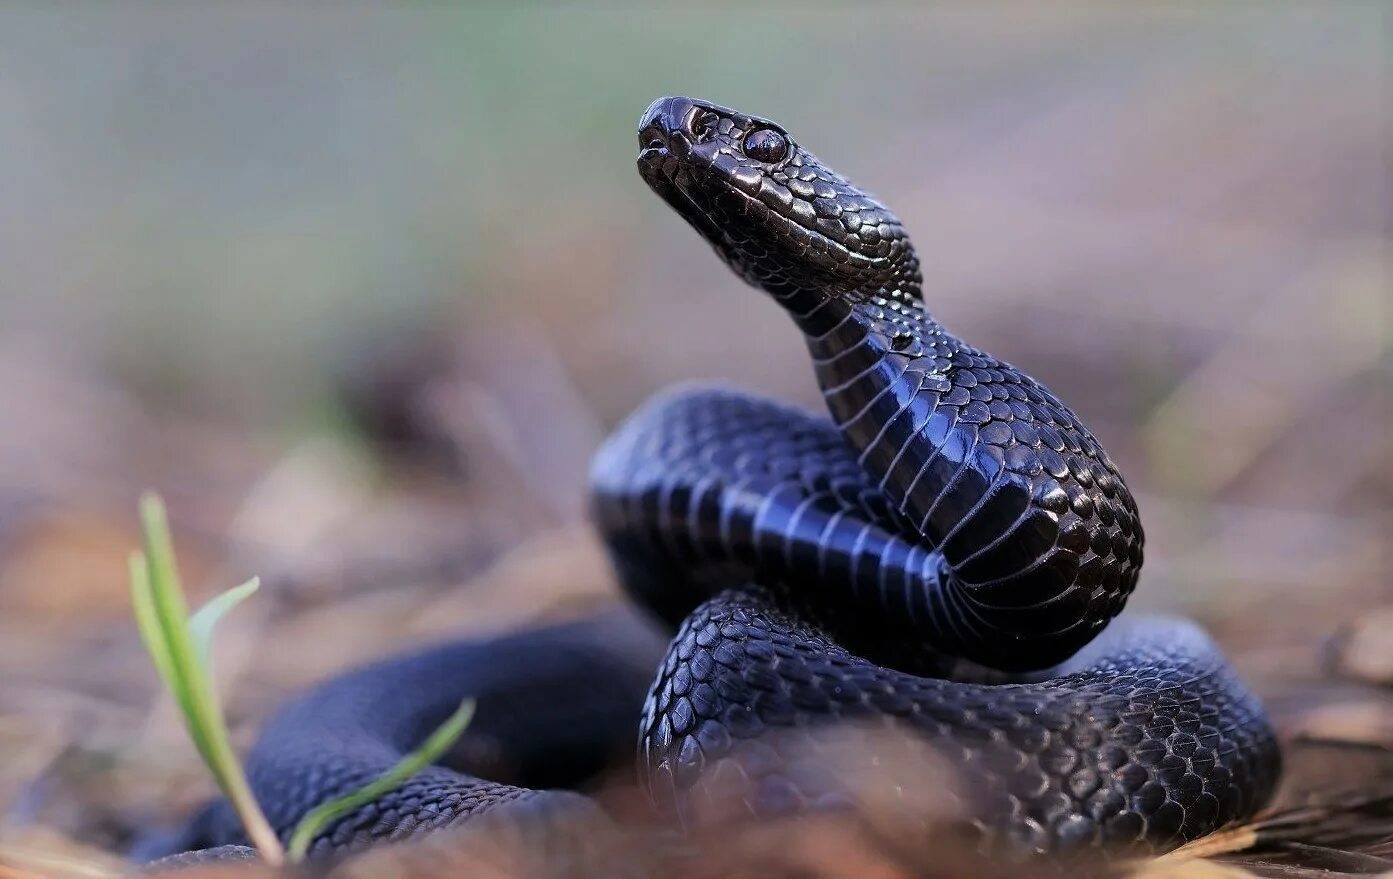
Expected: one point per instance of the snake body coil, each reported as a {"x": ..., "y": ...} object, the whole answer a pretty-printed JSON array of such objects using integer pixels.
[{"x": 952, "y": 509}]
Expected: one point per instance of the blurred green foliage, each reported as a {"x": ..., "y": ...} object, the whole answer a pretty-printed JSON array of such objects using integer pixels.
[{"x": 221, "y": 203}]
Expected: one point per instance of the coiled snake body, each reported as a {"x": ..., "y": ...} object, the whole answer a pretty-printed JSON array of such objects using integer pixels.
[{"x": 952, "y": 509}]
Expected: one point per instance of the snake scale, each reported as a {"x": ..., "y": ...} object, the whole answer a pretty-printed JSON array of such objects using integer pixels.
[{"x": 944, "y": 556}]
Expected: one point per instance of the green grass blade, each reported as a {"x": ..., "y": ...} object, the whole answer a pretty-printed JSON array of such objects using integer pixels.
[
  {"x": 143, "y": 600},
  {"x": 201, "y": 624},
  {"x": 178, "y": 647},
  {"x": 171, "y": 614},
  {"x": 434, "y": 746}
]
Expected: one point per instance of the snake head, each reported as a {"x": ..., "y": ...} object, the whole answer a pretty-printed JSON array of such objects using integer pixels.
[{"x": 778, "y": 216}]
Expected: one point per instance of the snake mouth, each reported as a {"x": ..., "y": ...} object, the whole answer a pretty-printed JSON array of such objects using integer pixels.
[
  {"x": 652, "y": 148},
  {"x": 651, "y": 159},
  {"x": 651, "y": 142},
  {"x": 665, "y": 172}
]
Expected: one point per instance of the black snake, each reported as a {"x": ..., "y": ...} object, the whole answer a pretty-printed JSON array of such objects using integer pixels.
[{"x": 951, "y": 519}]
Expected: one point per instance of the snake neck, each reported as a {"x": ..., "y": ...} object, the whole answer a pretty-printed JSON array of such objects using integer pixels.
[
  {"x": 1034, "y": 529},
  {"x": 883, "y": 363},
  {"x": 1030, "y": 516},
  {"x": 869, "y": 356}
]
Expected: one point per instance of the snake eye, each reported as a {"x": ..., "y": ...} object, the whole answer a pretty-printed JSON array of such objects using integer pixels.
[
  {"x": 766, "y": 145},
  {"x": 702, "y": 125}
]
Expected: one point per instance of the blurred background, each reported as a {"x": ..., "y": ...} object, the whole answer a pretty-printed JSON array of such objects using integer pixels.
[{"x": 359, "y": 290}]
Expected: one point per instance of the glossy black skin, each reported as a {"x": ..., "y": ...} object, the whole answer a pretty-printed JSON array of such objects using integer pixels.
[
  {"x": 1036, "y": 540},
  {"x": 953, "y": 507},
  {"x": 951, "y": 526}
]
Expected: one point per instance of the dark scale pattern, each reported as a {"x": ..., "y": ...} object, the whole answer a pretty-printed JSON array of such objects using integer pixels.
[
  {"x": 1039, "y": 539},
  {"x": 540, "y": 721},
  {"x": 952, "y": 506},
  {"x": 1147, "y": 742},
  {"x": 1038, "y": 532},
  {"x": 705, "y": 488}
]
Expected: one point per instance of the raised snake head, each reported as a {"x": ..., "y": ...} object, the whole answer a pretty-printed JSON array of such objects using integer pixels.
[{"x": 779, "y": 217}]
